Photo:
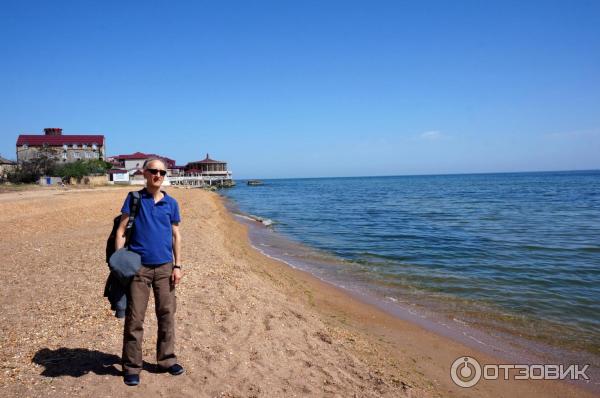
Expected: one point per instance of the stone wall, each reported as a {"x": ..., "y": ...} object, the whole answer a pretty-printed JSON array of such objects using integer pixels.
[{"x": 90, "y": 180}]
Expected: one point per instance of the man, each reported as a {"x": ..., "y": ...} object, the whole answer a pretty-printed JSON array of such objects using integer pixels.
[{"x": 157, "y": 240}]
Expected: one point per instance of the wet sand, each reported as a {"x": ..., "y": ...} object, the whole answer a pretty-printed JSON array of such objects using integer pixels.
[{"x": 247, "y": 325}]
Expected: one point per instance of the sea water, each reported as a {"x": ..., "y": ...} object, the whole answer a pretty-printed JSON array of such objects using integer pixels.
[{"x": 511, "y": 254}]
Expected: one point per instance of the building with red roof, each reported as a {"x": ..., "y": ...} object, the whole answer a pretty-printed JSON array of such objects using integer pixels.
[
  {"x": 136, "y": 160},
  {"x": 66, "y": 148}
]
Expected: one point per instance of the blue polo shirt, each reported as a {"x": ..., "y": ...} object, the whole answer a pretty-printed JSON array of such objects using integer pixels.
[{"x": 152, "y": 236}]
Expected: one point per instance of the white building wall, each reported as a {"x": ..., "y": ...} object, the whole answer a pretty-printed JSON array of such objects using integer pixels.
[{"x": 134, "y": 164}]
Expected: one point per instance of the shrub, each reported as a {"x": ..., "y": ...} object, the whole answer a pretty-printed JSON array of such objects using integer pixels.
[
  {"x": 81, "y": 168},
  {"x": 45, "y": 164}
]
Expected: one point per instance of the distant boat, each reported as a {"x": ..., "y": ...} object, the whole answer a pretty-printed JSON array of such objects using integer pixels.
[{"x": 255, "y": 182}]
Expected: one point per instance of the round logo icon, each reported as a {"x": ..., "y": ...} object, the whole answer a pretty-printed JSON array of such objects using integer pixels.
[{"x": 465, "y": 372}]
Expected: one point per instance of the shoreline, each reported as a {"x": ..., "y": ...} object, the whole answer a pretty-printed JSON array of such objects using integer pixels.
[
  {"x": 469, "y": 337},
  {"x": 510, "y": 345},
  {"x": 247, "y": 325}
]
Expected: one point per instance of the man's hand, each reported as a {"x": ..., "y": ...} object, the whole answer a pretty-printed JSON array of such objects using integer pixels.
[{"x": 176, "y": 275}]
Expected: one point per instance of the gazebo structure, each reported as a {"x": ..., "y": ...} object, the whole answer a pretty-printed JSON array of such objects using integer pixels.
[
  {"x": 206, "y": 172},
  {"x": 208, "y": 167}
]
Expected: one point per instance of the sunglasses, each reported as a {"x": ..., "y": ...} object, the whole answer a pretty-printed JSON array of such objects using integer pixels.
[{"x": 156, "y": 171}]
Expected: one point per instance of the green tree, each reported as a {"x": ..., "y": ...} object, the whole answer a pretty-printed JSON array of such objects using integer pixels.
[{"x": 44, "y": 163}]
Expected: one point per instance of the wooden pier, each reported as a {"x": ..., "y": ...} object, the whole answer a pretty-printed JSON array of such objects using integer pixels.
[{"x": 200, "y": 181}]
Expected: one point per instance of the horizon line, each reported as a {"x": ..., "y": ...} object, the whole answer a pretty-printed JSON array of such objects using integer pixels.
[{"x": 425, "y": 174}]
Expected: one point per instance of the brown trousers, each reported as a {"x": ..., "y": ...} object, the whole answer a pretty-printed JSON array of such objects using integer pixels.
[{"x": 159, "y": 278}]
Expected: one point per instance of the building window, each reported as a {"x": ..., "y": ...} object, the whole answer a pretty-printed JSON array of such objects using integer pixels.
[
  {"x": 65, "y": 147},
  {"x": 84, "y": 146},
  {"x": 76, "y": 155},
  {"x": 64, "y": 154},
  {"x": 94, "y": 147},
  {"x": 74, "y": 146},
  {"x": 25, "y": 146}
]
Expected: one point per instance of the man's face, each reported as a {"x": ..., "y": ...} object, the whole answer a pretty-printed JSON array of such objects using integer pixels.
[{"x": 152, "y": 173}]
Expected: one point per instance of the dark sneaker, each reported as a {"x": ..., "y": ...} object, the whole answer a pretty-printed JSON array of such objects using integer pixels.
[
  {"x": 175, "y": 370},
  {"x": 131, "y": 380}
]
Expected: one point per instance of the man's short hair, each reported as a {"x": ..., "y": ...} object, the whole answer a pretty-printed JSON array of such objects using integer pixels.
[{"x": 147, "y": 162}]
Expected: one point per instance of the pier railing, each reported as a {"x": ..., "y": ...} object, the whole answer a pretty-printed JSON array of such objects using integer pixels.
[{"x": 200, "y": 181}]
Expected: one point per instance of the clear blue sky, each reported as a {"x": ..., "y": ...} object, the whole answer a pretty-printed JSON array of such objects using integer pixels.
[{"x": 312, "y": 88}]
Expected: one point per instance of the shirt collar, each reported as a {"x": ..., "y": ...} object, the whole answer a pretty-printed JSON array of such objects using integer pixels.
[{"x": 147, "y": 194}]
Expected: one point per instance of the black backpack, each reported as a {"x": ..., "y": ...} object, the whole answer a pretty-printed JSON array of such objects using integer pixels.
[{"x": 134, "y": 207}]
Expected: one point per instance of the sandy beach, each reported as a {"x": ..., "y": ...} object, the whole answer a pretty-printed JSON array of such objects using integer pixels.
[{"x": 247, "y": 325}]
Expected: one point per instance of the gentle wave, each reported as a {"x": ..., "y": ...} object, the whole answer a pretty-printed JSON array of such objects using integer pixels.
[{"x": 519, "y": 252}]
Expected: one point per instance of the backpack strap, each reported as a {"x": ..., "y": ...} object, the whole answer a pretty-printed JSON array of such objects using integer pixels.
[{"x": 134, "y": 210}]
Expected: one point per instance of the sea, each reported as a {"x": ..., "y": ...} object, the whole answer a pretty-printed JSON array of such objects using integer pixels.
[{"x": 506, "y": 262}]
